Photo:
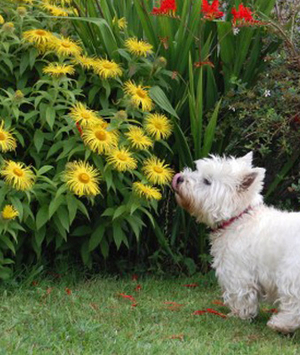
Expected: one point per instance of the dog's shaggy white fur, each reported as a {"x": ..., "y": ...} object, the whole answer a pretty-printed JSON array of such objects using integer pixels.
[{"x": 255, "y": 248}]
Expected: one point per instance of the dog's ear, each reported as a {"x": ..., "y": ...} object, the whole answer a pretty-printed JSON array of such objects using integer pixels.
[
  {"x": 256, "y": 174},
  {"x": 248, "y": 181},
  {"x": 247, "y": 159}
]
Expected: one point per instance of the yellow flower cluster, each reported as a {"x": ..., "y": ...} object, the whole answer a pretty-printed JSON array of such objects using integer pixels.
[{"x": 119, "y": 145}]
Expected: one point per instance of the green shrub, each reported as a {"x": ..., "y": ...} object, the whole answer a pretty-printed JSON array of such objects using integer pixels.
[{"x": 77, "y": 173}]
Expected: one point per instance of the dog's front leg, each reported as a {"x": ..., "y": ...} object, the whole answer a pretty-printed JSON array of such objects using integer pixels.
[{"x": 243, "y": 303}]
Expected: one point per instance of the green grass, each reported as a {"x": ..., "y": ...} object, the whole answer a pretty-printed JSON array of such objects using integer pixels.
[{"x": 94, "y": 319}]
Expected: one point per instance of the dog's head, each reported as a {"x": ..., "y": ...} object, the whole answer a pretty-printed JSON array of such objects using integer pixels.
[{"x": 219, "y": 188}]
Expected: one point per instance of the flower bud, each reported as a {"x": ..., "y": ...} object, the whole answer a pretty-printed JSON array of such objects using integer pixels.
[
  {"x": 19, "y": 96},
  {"x": 8, "y": 27},
  {"x": 21, "y": 11},
  {"x": 121, "y": 115},
  {"x": 162, "y": 62}
]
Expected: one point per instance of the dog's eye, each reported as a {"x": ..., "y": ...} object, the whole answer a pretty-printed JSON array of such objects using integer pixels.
[{"x": 207, "y": 182}]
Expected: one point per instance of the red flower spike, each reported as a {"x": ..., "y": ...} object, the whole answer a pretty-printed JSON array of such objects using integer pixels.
[
  {"x": 167, "y": 7},
  {"x": 130, "y": 298},
  {"x": 191, "y": 285},
  {"x": 243, "y": 16},
  {"x": 79, "y": 128},
  {"x": 200, "y": 64},
  {"x": 211, "y": 12}
]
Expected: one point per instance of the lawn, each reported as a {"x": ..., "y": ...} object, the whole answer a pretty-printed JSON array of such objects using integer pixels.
[{"x": 98, "y": 316}]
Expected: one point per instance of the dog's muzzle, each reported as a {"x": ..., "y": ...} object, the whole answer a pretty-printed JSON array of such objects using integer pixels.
[{"x": 178, "y": 179}]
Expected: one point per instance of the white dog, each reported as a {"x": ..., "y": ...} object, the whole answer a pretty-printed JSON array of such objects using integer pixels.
[{"x": 255, "y": 248}]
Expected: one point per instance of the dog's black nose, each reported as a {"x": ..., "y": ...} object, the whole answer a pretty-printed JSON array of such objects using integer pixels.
[
  {"x": 177, "y": 179},
  {"x": 180, "y": 180}
]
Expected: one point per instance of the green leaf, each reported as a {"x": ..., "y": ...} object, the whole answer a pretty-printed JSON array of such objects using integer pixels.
[
  {"x": 54, "y": 205},
  {"x": 210, "y": 131},
  {"x": 8, "y": 243},
  {"x": 96, "y": 237},
  {"x": 119, "y": 211},
  {"x": 160, "y": 98},
  {"x": 118, "y": 234},
  {"x": 86, "y": 255},
  {"x": 44, "y": 169},
  {"x": 72, "y": 207},
  {"x": 38, "y": 139},
  {"x": 63, "y": 216},
  {"x": 81, "y": 231},
  {"x": 42, "y": 217},
  {"x": 50, "y": 116}
]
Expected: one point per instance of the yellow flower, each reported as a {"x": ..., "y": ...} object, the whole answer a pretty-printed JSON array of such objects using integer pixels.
[
  {"x": 157, "y": 172},
  {"x": 57, "y": 70},
  {"x": 55, "y": 10},
  {"x": 65, "y": 47},
  {"x": 139, "y": 48},
  {"x": 99, "y": 139},
  {"x": 149, "y": 192},
  {"x": 82, "y": 115},
  {"x": 9, "y": 212},
  {"x": 84, "y": 61},
  {"x": 17, "y": 175},
  {"x": 107, "y": 68},
  {"x": 1, "y": 20},
  {"x": 122, "y": 23},
  {"x": 81, "y": 178},
  {"x": 137, "y": 138},
  {"x": 139, "y": 95},
  {"x": 121, "y": 159},
  {"x": 158, "y": 126},
  {"x": 38, "y": 36},
  {"x": 7, "y": 141}
]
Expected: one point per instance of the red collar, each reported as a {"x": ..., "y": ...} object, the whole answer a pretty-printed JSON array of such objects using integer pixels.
[{"x": 231, "y": 220}]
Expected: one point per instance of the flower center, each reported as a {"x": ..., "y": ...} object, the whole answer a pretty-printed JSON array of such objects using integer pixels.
[
  {"x": 40, "y": 33},
  {"x": 86, "y": 115},
  {"x": 158, "y": 169},
  {"x": 108, "y": 65},
  {"x": 101, "y": 135},
  {"x": 141, "y": 93},
  {"x": 84, "y": 178},
  {"x": 158, "y": 125},
  {"x": 2, "y": 136},
  {"x": 122, "y": 156},
  {"x": 18, "y": 172},
  {"x": 66, "y": 44}
]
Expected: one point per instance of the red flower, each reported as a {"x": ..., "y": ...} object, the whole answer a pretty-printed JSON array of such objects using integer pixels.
[
  {"x": 167, "y": 7},
  {"x": 212, "y": 11},
  {"x": 201, "y": 64},
  {"x": 79, "y": 128},
  {"x": 243, "y": 16}
]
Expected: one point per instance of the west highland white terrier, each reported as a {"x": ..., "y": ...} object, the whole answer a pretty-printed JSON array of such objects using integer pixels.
[{"x": 255, "y": 248}]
